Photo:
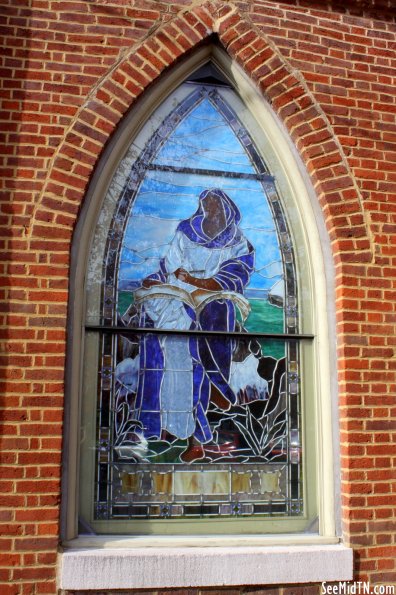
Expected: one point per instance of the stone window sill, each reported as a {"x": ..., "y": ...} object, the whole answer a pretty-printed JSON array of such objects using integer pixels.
[{"x": 129, "y": 564}]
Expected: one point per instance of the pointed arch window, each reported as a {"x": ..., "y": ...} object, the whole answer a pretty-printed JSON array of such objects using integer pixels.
[{"x": 194, "y": 322}]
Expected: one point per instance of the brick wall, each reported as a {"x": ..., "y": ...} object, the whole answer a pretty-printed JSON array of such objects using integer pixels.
[{"x": 70, "y": 70}]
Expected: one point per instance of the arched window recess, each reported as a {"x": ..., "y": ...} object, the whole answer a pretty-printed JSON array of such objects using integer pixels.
[{"x": 202, "y": 409}]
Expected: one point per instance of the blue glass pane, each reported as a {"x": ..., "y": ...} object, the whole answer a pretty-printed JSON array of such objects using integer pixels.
[
  {"x": 167, "y": 198},
  {"x": 204, "y": 140}
]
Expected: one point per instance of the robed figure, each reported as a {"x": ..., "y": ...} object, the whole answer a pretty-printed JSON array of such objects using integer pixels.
[{"x": 199, "y": 285}]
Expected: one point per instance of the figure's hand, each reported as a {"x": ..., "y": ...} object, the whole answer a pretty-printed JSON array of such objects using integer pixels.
[
  {"x": 198, "y": 292},
  {"x": 150, "y": 282},
  {"x": 209, "y": 283},
  {"x": 183, "y": 275}
]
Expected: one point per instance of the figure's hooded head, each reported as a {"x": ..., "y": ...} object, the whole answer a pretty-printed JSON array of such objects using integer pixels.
[{"x": 214, "y": 203}]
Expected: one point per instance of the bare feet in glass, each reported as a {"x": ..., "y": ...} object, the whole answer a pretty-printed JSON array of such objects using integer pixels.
[{"x": 193, "y": 452}]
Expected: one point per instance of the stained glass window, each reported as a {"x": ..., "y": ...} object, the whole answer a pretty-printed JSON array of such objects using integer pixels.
[{"x": 197, "y": 329}]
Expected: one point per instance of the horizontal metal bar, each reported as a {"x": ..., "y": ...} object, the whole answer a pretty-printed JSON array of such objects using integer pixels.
[
  {"x": 161, "y": 331},
  {"x": 212, "y": 172}
]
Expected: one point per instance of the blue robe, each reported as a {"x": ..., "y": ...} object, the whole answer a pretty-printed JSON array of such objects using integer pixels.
[{"x": 176, "y": 372}]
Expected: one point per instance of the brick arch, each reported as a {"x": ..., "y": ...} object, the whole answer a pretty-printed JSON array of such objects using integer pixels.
[{"x": 280, "y": 84}]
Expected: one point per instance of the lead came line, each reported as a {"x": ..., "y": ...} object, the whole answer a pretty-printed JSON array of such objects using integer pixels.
[{"x": 211, "y": 172}]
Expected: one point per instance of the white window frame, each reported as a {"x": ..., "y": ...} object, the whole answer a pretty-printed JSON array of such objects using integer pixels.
[{"x": 119, "y": 562}]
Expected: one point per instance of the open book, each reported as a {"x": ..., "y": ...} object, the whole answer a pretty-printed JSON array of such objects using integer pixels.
[{"x": 196, "y": 301}]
